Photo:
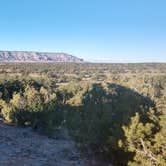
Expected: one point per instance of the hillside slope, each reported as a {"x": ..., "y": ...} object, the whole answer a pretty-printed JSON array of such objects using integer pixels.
[{"x": 28, "y": 56}]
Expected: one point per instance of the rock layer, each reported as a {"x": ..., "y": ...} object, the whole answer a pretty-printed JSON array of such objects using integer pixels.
[{"x": 29, "y": 56}]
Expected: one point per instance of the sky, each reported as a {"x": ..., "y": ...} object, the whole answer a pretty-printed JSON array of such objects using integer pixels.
[{"x": 95, "y": 30}]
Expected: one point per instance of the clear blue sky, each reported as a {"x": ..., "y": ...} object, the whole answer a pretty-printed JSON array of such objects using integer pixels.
[{"x": 96, "y": 30}]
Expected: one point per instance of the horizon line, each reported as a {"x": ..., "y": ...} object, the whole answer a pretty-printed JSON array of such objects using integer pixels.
[{"x": 106, "y": 61}]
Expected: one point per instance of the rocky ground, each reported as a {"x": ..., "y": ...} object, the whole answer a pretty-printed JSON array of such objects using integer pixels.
[{"x": 24, "y": 147}]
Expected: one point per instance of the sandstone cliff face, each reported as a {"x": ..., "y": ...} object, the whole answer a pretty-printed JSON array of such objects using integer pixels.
[{"x": 27, "y": 56}]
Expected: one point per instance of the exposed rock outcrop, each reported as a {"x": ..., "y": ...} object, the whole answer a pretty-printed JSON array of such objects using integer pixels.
[{"x": 28, "y": 56}]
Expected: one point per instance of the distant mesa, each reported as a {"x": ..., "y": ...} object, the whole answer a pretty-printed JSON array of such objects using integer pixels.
[{"x": 30, "y": 56}]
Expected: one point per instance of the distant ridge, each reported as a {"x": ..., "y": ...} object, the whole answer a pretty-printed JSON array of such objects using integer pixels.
[{"x": 32, "y": 56}]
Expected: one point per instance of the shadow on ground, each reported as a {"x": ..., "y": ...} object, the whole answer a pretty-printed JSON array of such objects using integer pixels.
[{"x": 96, "y": 124}]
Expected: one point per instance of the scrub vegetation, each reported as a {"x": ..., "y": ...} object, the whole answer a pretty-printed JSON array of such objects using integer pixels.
[{"x": 117, "y": 111}]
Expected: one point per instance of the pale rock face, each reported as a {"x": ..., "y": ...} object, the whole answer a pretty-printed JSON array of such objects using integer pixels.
[{"x": 27, "y": 56}]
